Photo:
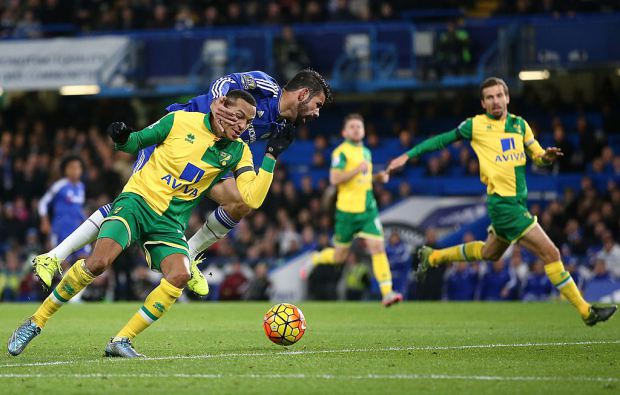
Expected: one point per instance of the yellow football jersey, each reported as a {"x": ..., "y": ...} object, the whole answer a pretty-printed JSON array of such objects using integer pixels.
[
  {"x": 501, "y": 147},
  {"x": 187, "y": 161},
  {"x": 355, "y": 195}
]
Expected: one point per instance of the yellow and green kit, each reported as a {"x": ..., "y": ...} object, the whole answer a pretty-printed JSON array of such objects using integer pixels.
[
  {"x": 156, "y": 203},
  {"x": 356, "y": 207},
  {"x": 501, "y": 146}
]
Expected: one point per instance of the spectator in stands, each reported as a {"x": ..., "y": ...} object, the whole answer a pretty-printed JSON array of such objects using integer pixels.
[
  {"x": 453, "y": 51},
  {"x": 564, "y": 163},
  {"x": 537, "y": 286},
  {"x": 290, "y": 55},
  {"x": 498, "y": 283},
  {"x": 430, "y": 288},
  {"x": 260, "y": 285},
  {"x": 600, "y": 272},
  {"x": 400, "y": 258},
  {"x": 235, "y": 283},
  {"x": 610, "y": 255},
  {"x": 462, "y": 281}
]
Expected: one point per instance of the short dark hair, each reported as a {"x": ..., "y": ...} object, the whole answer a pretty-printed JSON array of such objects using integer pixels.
[
  {"x": 351, "y": 116},
  {"x": 68, "y": 159},
  {"x": 241, "y": 94},
  {"x": 492, "y": 81},
  {"x": 312, "y": 80}
]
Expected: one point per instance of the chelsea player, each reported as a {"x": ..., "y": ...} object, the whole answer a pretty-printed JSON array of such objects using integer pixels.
[
  {"x": 299, "y": 101},
  {"x": 501, "y": 141}
]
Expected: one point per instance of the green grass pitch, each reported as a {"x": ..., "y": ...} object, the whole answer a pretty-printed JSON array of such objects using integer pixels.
[{"x": 353, "y": 348}]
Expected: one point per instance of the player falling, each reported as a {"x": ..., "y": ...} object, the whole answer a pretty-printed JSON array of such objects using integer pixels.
[
  {"x": 192, "y": 153},
  {"x": 278, "y": 110},
  {"x": 501, "y": 142},
  {"x": 356, "y": 207}
]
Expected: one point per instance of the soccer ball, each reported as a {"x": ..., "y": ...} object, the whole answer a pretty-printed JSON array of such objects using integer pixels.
[{"x": 284, "y": 324}]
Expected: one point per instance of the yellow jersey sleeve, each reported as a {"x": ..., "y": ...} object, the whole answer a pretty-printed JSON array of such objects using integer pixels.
[
  {"x": 253, "y": 187},
  {"x": 532, "y": 146}
]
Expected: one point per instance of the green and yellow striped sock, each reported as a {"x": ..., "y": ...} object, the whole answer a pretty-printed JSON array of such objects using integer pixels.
[
  {"x": 156, "y": 304},
  {"x": 562, "y": 280},
  {"x": 75, "y": 280},
  {"x": 469, "y": 252}
]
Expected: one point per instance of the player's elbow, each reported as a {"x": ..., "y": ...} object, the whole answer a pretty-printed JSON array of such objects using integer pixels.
[{"x": 251, "y": 203}]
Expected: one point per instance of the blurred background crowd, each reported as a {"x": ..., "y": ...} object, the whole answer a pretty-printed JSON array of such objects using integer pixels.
[{"x": 37, "y": 131}]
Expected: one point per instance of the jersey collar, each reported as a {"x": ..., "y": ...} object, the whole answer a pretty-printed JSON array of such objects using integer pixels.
[{"x": 491, "y": 116}]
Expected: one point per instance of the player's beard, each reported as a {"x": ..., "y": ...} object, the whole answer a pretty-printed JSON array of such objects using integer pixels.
[{"x": 302, "y": 108}]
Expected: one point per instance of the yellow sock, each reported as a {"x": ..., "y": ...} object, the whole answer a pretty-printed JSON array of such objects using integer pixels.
[
  {"x": 562, "y": 280},
  {"x": 156, "y": 304},
  {"x": 469, "y": 252},
  {"x": 381, "y": 270},
  {"x": 75, "y": 280},
  {"x": 326, "y": 256}
]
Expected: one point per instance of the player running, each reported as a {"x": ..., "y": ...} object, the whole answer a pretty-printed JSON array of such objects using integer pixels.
[
  {"x": 277, "y": 109},
  {"x": 193, "y": 151},
  {"x": 501, "y": 141},
  {"x": 66, "y": 199},
  {"x": 356, "y": 208}
]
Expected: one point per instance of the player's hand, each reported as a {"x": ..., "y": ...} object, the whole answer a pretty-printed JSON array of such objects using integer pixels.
[
  {"x": 552, "y": 153},
  {"x": 397, "y": 163},
  {"x": 220, "y": 112},
  {"x": 383, "y": 176},
  {"x": 280, "y": 142},
  {"x": 363, "y": 167},
  {"x": 119, "y": 132}
]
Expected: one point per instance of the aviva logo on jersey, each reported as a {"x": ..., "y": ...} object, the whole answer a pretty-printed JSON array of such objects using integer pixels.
[
  {"x": 508, "y": 144},
  {"x": 192, "y": 174}
]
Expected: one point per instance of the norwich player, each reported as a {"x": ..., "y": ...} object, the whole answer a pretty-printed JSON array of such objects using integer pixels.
[
  {"x": 356, "y": 208},
  {"x": 278, "y": 111},
  {"x": 501, "y": 142},
  {"x": 193, "y": 151}
]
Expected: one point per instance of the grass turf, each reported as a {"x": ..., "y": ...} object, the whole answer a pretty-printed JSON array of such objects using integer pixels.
[{"x": 348, "y": 348}]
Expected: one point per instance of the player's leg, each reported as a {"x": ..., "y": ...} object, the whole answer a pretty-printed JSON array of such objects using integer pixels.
[
  {"x": 46, "y": 265},
  {"x": 223, "y": 219},
  {"x": 174, "y": 265},
  {"x": 345, "y": 228},
  {"x": 82, "y": 273},
  {"x": 491, "y": 249},
  {"x": 537, "y": 241}
]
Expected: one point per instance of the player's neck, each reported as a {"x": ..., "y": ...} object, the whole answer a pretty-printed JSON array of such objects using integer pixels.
[
  {"x": 500, "y": 118},
  {"x": 353, "y": 142}
]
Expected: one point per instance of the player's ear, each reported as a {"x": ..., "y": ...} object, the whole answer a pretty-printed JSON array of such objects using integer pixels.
[{"x": 303, "y": 94}]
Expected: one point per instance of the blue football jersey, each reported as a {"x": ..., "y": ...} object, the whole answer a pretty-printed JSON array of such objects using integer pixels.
[
  {"x": 261, "y": 85},
  {"x": 66, "y": 200}
]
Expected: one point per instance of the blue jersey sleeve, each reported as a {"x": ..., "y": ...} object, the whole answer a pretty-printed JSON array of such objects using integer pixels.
[{"x": 258, "y": 83}]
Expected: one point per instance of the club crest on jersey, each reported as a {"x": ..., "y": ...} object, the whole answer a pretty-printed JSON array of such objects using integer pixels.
[
  {"x": 192, "y": 174},
  {"x": 248, "y": 82},
  {"x": 260, "y": 113},
  {"x": 190, "y": 138},
  {"x": 224, "y": 158}
]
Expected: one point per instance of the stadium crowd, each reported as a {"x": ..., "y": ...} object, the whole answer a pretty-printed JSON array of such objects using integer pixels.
[
  {"x": 46, "y": 18},
  {"x": 584, "y": 221}
]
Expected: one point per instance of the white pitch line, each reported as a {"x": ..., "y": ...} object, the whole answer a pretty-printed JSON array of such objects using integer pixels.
[
  {"x": 310, "y": 352},
  {"x": 309, "y": 376}
]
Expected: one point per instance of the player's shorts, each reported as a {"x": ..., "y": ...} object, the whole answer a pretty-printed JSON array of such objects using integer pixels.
[
  {"x": 510, "y": 218},
  {"x": 131, "y": 219},
  {"x": 350, "y": 225}
]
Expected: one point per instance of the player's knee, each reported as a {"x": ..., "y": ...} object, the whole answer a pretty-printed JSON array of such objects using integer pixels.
[
  {"x": 237, "y": 210},
  {"x": 489, "y": 255},
  {"x": 179, "y": 278}
]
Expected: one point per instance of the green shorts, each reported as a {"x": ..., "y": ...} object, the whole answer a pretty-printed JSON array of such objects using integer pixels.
[
  {"x": 510, "y": 219},
  {"x": 131, "y": 219},
  {"x": 350, "y": 225}
]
